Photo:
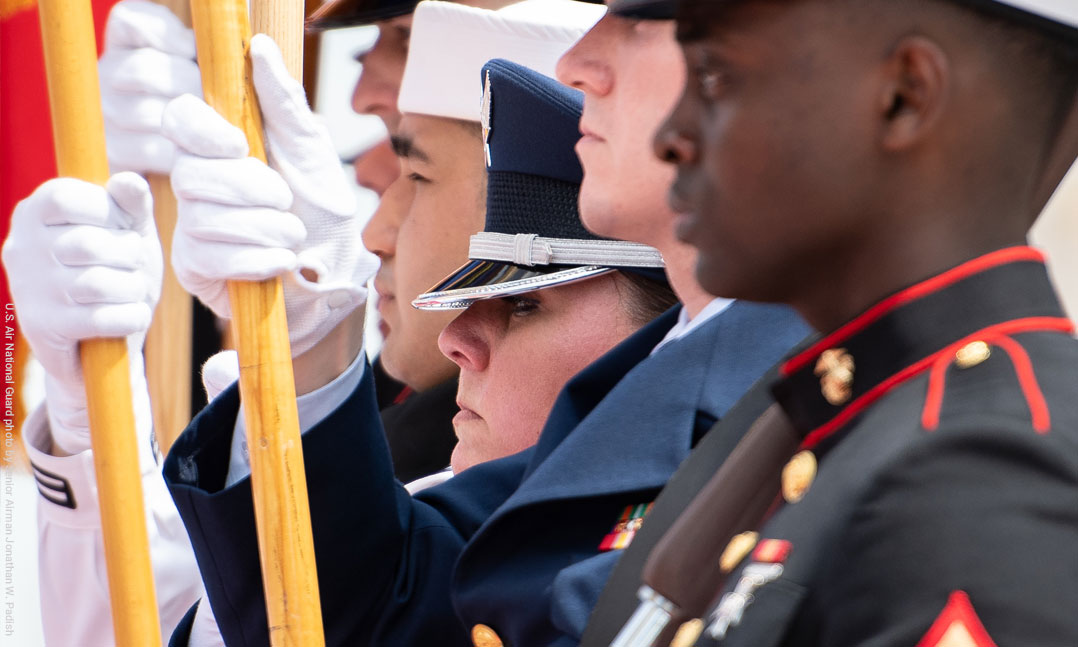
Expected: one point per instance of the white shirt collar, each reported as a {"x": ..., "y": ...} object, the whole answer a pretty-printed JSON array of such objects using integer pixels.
[{"x": 685, "y": 325}]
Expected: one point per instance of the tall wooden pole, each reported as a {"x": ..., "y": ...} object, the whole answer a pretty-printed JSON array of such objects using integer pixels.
[
  {"x": 282, "y": 20},
  {"x": 170, "y": 338},
  {"x": 267, "y": 387},
  {"x": 79, "y": 131}
]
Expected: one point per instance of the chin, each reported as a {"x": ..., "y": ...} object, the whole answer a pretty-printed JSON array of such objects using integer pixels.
[
  {"x": 459, "y": 461},
  {"x": 598, "y": 213}
]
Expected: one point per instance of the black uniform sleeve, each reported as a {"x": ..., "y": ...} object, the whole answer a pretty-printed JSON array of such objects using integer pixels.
[{"x": 991, "y": 513}]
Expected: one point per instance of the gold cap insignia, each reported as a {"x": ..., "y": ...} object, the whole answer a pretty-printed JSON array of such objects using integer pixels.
[
  {"x": 484, "y": 118},
  {"x": 484, "y": 636},
  {"x": 972, "y": 354},
  {"x": 835, "y": 370},
  {"x": 741, "y": 545},
  {"x": 798, "y": 475}
]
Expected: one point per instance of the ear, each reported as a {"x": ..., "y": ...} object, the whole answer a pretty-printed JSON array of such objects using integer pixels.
[{"x": 912, "y": 98}]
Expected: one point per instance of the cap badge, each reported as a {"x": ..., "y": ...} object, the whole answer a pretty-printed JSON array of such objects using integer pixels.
[
  {"x": 835, "y": 370},
  {"x": 798, "y": 475},
  {"x": 632, "y": 517},
  {"x": 485, "y": 116},
  {"x": 972, "y": 354}
]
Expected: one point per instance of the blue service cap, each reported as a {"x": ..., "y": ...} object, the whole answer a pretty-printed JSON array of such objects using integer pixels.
[
  {"x": 531, "y": 122},
  {"x": 533, "y": 237}
]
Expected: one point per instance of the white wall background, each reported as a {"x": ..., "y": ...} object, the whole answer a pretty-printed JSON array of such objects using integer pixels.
[{"x": 1057, "y": 233}]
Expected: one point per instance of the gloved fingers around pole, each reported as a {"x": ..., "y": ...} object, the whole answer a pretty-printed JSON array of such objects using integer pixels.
[
  {"x": 219, "y": 262},
  {"x": 297, "y": 142},
  {"x": 196, "y": 128},
  {"x": 148, "y": 72},
  {"x": 133, "y": 113},
  {"x": 130, "y": 192},
  {"x": 253, "y": 226},
  {"x": 281, "y": 97},
  {"x": 137, "y": 23},
  {"x": 242, "y": 182},
  {"x": 81, "y": 246}
]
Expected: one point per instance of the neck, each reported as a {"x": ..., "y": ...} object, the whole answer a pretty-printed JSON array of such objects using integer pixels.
[
  {"x": 681, "y": 272},
  {"x": 868, "y": 279}
]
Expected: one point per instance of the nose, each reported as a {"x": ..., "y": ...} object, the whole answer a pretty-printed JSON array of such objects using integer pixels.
[
  {"x": 380, "y": 234},
  {"x": 465, "y": 341},
  {"x": 380, "y": 81},
  {"x": 584, "y": 66},
  {"x": 377, "y": 168},
  {"x": 674, "y": 142}
]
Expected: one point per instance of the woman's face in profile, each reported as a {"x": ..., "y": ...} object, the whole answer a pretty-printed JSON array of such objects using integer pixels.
[{"x": 516, "y": 353}]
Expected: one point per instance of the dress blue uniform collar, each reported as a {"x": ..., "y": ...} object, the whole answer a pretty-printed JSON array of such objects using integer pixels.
[{"x": 965, "y": 310}]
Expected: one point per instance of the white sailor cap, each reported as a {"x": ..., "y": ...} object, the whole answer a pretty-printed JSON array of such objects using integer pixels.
[
  {"x": 1063, "y": 12},
  {"x": 450, "y": 43}
]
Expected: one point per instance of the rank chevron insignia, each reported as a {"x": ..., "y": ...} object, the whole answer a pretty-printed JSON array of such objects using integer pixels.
[{"x": 957, "y": 626}]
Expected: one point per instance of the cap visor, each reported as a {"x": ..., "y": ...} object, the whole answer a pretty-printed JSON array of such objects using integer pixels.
[{"x": 480, "y": 279}]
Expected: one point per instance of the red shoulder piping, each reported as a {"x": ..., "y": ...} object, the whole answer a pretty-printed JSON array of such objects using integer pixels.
[
  {"x": 934, "y": 284},
  {"x": 1053, "y": 324}
]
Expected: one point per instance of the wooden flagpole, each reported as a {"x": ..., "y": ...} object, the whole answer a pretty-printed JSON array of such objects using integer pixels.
[
  {"x": 267, "y": 387},
  {"x": 170, "y": 338},
  {"x": 67, "y": 30}
]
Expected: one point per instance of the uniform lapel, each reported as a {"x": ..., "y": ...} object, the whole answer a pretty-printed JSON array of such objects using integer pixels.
[{"x": 656, "y": 406}]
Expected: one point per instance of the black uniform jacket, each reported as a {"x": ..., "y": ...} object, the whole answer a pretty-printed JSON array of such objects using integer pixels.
[{"x": 944, "y": 508}]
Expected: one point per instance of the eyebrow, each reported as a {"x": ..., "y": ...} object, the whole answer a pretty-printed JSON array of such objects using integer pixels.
[{"x": 404, "y": 146}]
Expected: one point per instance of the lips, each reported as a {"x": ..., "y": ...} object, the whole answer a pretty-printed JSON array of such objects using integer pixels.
[
  {"x": 685, "y": 220},
  {"x": 465, "y": 415},
  {"x": 385, "y": 299},
  {"x": 587, "y": 134}
]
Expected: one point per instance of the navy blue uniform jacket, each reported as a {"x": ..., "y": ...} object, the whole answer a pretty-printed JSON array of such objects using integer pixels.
[{"x": 513, "y": 543}]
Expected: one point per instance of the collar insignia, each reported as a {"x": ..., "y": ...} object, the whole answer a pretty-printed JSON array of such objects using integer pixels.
[
  {"x": 835, "y": 370},
  {"x": 485, "y": 117}
]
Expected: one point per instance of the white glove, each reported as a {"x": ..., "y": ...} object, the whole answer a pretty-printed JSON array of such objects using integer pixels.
[
  {"x": 242, "y": 220},
  {"x": 219, "y": 372},
  {"x": 83, "y": 262},
  {"x": 149, "y": 59}
]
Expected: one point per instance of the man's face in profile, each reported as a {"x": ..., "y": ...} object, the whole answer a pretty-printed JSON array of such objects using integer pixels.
[{"x": 765, "y": 140}]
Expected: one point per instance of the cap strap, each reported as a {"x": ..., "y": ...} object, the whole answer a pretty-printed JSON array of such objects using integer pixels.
[{"x": 532, "y": 249}]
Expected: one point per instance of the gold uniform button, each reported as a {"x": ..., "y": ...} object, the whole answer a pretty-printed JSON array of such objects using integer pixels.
[
  {"x": 972, "y": 354},
  {"x": 798, "y": 475},
  {"x": 741, "y": 545},
  {"x": 484, "y": 636},
  {"x": 687, "y": 633}
]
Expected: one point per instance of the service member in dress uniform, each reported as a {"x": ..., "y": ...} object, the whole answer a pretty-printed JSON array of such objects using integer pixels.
[
  {"x": 506, "y": 552},
  {"x": 416, "y": 386},
  {"x": 928, "y": 492},
  {"x": 143, "y": 41}
]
